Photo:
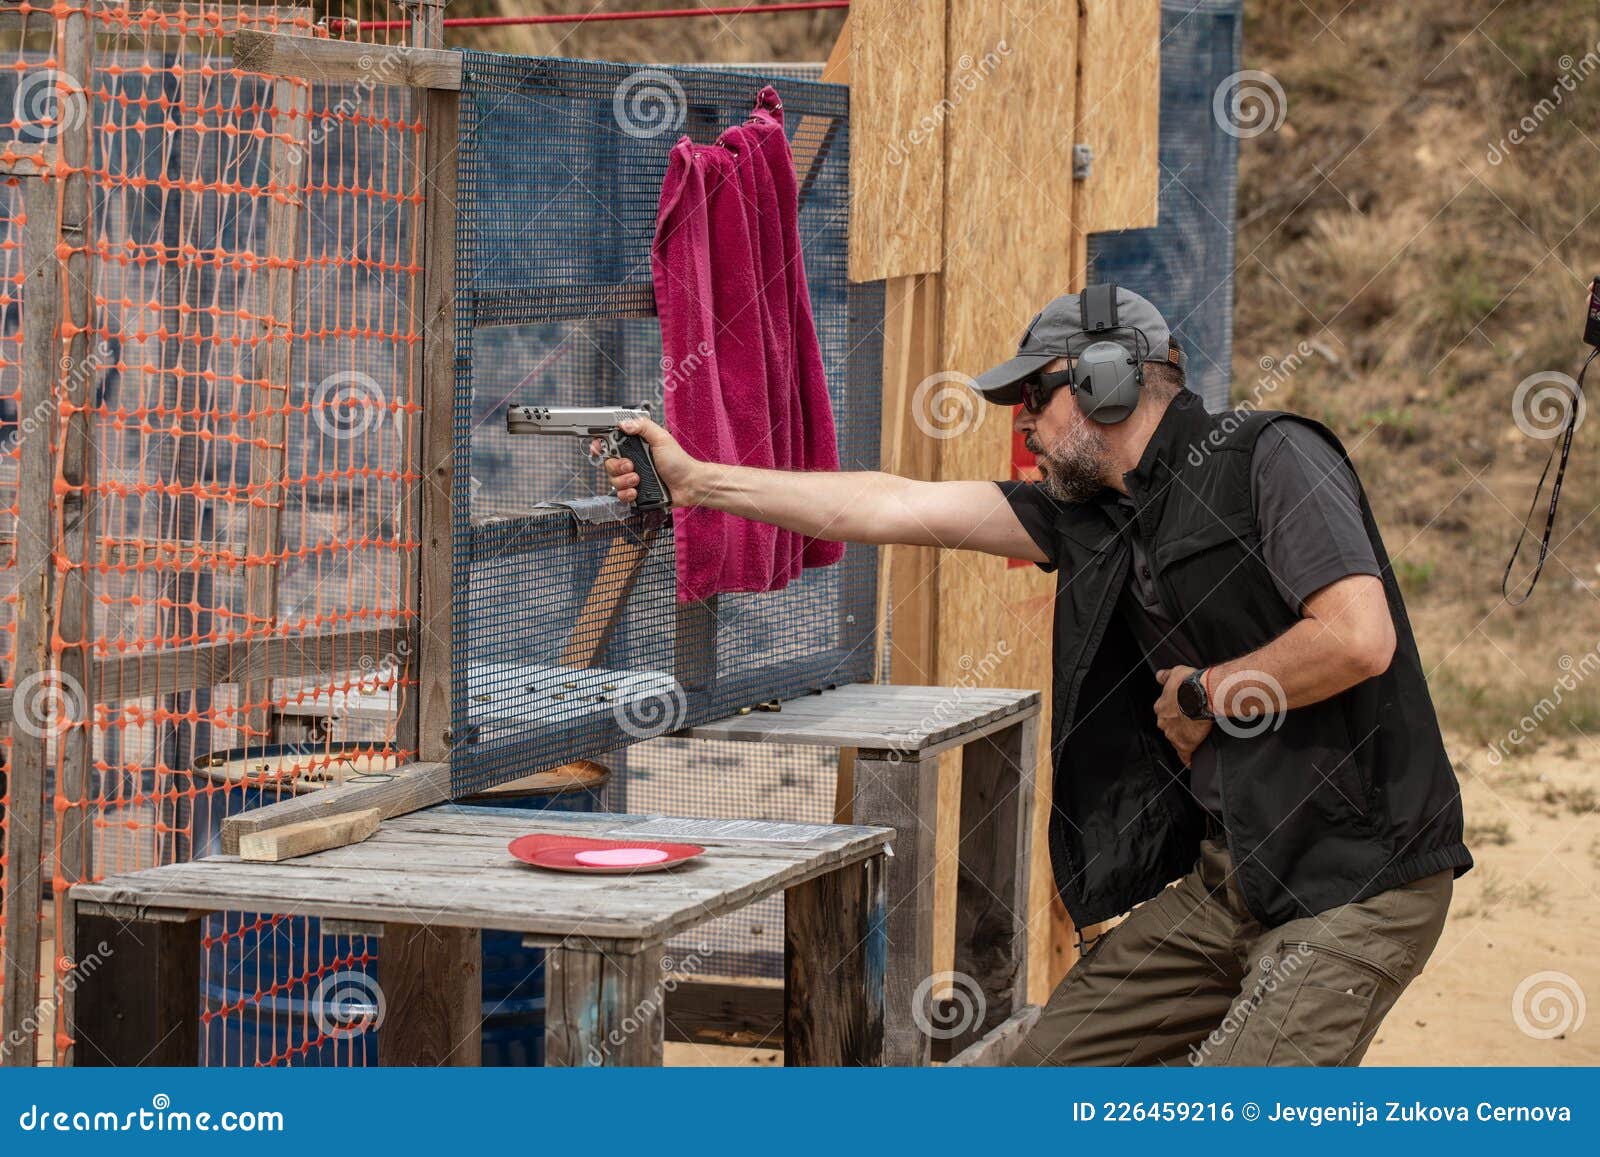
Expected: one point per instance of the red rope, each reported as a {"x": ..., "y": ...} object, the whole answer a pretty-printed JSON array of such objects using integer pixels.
[{"x": 594, "y": 17}]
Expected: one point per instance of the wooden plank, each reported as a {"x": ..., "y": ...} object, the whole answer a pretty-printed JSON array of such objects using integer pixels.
[
  {"x": 897, "y": 116},
  {"x": 603, "y": 1009},
  {"x": 1119, "y": 114},
  {"x": 406, "y": 789},
  {"x": 464, "y": 878},
  {"x": 347, "y": 62},
  {"x": 433, "y": 996},
  {"x": 602, "y": 607},
  {"x": 902, "y": 795},
  {"x": 43, "y": 699},
  {"x": 999, "y": 1044},
  {"x": 140, "y": 1004},
  {"x": 747, "y": 1013},
  {"x": 694, "y": 644},
  {"x": 142, "y": 674},
  {"x": 910, "y": 574},
  {"x": 834, "y": 947},
  {"x": 76, "y": 381},
  {"x": 993, "y": 281},
  {"x": 436, "y": 640},
  {"x": 267, "y": 397},
  {"x": 992, "y": 896},
  {"x": 308, "y": 836},
  {"x": 879, "y": 717}
]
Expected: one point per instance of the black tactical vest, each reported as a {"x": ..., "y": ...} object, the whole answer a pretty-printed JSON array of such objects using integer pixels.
[{"x": 1324, "y": 804}]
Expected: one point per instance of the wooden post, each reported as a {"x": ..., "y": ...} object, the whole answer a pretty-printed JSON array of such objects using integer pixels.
[
  {"x": 431, "y": 978},
  {"x": 834, "y": 946},
  {"x": 273, "y": 371},
  {"x": 136, "y": 990},
  {"x": 78, "y": 366},
  {"x": 435, "y": 373},
  {"x": 991, "y": 945},
  {"x": 603, "y": 1007},
  {"x": 39, "y": 700},
  {"x": 901, "y": 793}
]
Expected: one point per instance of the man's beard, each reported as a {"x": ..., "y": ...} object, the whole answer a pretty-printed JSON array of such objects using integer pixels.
[{"x": 1073, "y": 468}]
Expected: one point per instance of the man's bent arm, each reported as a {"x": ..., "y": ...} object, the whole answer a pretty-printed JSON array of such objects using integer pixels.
[{"x": 1346, "y": 635}]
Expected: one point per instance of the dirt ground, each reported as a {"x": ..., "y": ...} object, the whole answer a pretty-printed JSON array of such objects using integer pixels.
[{"x": 1528, "y": 908}]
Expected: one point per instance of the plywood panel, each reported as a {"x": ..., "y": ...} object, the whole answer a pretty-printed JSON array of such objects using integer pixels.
[
  {"x": 1008, "y": 248},
  {"x": 897, "y": 116},
  {"x": 1119, "y": 113}
]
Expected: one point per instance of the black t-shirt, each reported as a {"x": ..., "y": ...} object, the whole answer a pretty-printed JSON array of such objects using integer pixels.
[{"x": 1308, "y": 508}]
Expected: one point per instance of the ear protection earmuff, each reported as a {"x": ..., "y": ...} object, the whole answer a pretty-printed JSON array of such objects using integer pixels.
[{"x": 1106, "y": 378}]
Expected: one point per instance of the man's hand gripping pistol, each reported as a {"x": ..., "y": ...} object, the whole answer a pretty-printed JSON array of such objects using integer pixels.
[{"x": 598, "y": 422}]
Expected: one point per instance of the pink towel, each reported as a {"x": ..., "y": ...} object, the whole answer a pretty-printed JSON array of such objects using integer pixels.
[{"x": 743, "y": 369}]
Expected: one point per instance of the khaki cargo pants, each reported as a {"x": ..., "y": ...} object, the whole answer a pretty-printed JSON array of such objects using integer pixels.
[{"x": 1191, "y": 978}]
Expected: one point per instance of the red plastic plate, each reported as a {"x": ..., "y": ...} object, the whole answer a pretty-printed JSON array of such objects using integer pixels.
[{"x": 599, "y": 857}]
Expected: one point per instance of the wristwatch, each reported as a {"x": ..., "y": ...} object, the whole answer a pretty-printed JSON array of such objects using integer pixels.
[{"x": 1193, "y": 700}]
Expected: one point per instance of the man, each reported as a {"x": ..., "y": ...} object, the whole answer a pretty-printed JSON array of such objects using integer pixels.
[{"x": 1238, "y": 699}]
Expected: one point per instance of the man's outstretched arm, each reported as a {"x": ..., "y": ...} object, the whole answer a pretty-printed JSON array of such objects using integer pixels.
[{"x": 844, "y": 506}]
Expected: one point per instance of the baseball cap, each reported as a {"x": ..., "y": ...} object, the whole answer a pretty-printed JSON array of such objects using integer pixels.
[{"x": 1058, "y": 330}]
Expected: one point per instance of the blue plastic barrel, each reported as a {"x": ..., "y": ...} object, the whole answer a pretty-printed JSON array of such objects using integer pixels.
[{"x": 273, "y": 984}]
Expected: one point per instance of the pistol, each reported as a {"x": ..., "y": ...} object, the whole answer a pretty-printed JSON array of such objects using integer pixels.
[{"x": 598, "y": 422}]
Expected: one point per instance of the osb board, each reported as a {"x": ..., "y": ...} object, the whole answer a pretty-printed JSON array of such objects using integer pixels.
[
  {"x": 1120, "y": 113},
  {"x": 1008, "y": 246},
  {"x": 896, "y": 137},
  {"x": 1008, "y": 180}
]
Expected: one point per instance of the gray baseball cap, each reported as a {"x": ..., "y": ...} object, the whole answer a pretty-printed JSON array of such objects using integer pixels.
[{"x": 1058, "y": 331}]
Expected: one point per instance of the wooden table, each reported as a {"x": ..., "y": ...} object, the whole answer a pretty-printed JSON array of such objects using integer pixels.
[
  {"x": 429, "y": 882},
  {"x": 897, "y": 734}
]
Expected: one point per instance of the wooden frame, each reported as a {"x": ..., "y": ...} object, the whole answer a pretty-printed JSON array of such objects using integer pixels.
[{"x": 605, "y": 984}]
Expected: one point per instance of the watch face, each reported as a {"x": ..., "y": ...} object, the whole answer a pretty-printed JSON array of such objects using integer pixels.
[{"x": 1191, "y": 699}]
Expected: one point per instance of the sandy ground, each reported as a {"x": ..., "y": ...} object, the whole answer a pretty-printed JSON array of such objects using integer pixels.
[
  {"x": 1519, "y": 959},
  {"x": 1528, "y": 908}
]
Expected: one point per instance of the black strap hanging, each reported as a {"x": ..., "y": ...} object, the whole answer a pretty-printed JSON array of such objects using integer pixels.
[{"x": 1555, "y": 496}]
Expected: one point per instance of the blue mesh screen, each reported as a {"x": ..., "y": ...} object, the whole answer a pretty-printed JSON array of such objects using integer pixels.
[
  {"x": 560, "y": 169},
  {"x": 1185, "y": 264}
]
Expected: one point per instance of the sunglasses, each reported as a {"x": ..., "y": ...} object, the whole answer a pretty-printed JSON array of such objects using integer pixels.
[{"x": 1037, "y": 390}]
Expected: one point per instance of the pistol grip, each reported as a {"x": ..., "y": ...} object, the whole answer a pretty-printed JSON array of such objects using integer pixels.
[{"x": 652, "y": 491}]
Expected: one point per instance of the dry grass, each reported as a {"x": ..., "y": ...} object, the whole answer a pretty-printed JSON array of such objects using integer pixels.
[{"x": 1376, "y": 224}]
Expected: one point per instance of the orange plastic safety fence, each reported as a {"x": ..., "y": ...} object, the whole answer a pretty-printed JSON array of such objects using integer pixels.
[{"x": 236, "y": 423}]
